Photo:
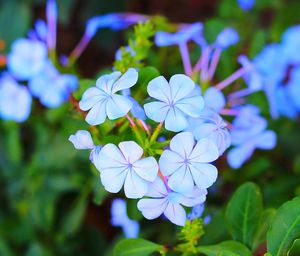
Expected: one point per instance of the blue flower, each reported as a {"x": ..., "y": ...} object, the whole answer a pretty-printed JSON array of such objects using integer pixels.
[
  {"x": 226, "y": 38},
  {"x": 290, "y": 44},
  {"x": 196, "y": 212},
  {"x": 15, "y": 100},
  {"x": 188, "y": 163},
  {"x": 82, "y": 140},
  {"x": 252, "y": 77},
  {"x": 123, "y": 165},
  {"x": 51, "y": 87},
  {"x": 293, "y": 88},
  {"x": 103, "y": 101},
  {"x": 169, "y": 203},
  {"x": 119, "y": 218},
  {"x": 248, "y": 133},
  {"x": 246, "y": 5},
  {"x": 210, "y": 125},
  {"x": 183, "y": 35},
  {"x": 214, "y": 99},
  {"x": 39, "y": 32},
  {"x": 176, "y": 101},
  {"x": 26, "y": 59}
]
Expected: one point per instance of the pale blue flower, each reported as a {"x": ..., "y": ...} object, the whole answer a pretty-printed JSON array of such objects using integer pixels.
[
  {"x": 124, "y": 165},
  {"x": 249, "y": 133},
  {"x": 176, "y": 101},
  {"x": 293, "y": 89},
  {"x": 82, "y": 140},
  {"x": 102, "y": 100},
  {"x": 252, "y": 77},
  {"x": 51, "y": 87},
  {"x": 246, "y": 5},
  {"x": 169, "y": 203},
  {"x": 119, "y": 218},
  {"x": 26, "y": 58},
  {"x": 214, "y": 99},
  {"x": 290, "y": 43},
  {"x": 15, "y": 100},
  {"x": 210, "y": 125},
  {"x": 196, "y": 212},
  {"x": 188, "y": 163},
  {"x": 183, "y": 35},
  {"x": 226, "y": 38}
]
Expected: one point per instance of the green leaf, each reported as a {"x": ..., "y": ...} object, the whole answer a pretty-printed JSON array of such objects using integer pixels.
[
  {"x": 227, "y": 248},
  {"x": 146, "y": 74},
  {"x": 285, "y": 228},
  {"x": 136, "y": 247},
  {"x": 295, "y": 249},
  {"x": 243, "y": 212},
  {"x": 263, "y": 226},
  {"x": 21, "y": 21}
]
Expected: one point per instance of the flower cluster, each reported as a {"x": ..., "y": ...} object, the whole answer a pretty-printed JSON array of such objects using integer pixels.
[{"x": 177, "y": 176}]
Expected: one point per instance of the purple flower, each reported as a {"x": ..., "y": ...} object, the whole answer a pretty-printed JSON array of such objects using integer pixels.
[
  {"x": 169, "y": 203},
  {"x": 15, "y": 100}
]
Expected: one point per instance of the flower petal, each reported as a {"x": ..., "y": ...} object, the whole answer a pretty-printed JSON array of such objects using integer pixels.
[
  {"x": 146, "y": 168},
  {"x": 127, "y": 80},
  {"x": 204, "y": 151},
  {"x": 176, "y": 214},
  {"x": 113, "y": 178},
  {"x": 197, "y": 196},
  {"x": 191, "y": 106},
  {"x": 183, "y": 144},
  {"x": 117, "y": 106},
  {"x": 204, "y": 175},
  {"x": 181, "y": 86},
  {"x": 266, "y": 140},
  {"x": 106, "y": 82},
  {"x": 238, "y": 155},
  {"x": 152, "y": 208},
  {"x": 169, "y": 162},
  {"x": 156, "y": 111},
  {"x": 135, "y": 186},
  {"x": 131, "y": 151},
  {"x": 82, "y": 140},
  {"x": 109, "y": 157},
  {"x": 159, "y": 89},
  {"x": 90, "y": 98},
  {"x": 181, "y": 181},
  {"x": 97, "y": 114},
  {"x": 157, "y": 189},
  {"x": 176, "y": 120}
]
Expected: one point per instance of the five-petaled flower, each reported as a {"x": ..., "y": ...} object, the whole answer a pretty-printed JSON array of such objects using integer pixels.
[
  {"x": 102, "y": 99},
  {"x": 188, "y": 164},
  {"x": 169, "y": 202},
  {"x": 177, "y": 100},
  {"x": 123, "y": 165}
]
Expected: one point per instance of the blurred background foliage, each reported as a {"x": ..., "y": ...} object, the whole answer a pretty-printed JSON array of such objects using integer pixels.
[{"x": 52, "y": 202}]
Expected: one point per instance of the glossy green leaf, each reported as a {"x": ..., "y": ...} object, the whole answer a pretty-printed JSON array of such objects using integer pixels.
[
  {"x": 285, "y": 228},
  {"x": 227, "y": 248},
  {"x": 243, "y": 212},
  {"x": 136, "y": 247}
]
